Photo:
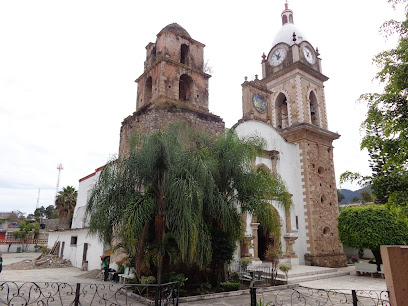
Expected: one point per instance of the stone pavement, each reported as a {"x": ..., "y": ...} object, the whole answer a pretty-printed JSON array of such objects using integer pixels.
[{"x": 72, "y": 275}]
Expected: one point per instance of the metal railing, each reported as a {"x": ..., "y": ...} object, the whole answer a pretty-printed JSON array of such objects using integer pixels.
[
  {"x": 57, "y": 293},
  {"x": 310, "y": 296},
  {"x": 25, "y": 241}
]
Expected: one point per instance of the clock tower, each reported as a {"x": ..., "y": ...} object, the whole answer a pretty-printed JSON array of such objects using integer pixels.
[{"x": 290, "y": 98}]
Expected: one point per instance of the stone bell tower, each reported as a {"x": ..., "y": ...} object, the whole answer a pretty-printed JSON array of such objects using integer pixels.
[
  {"x": 172, "y": 88},
  {"x": 290, "y": 97}
]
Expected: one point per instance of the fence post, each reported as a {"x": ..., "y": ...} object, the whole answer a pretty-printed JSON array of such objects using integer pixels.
[
  {"x": 178, "y": 293},
  {"x": 157, "y": 301},
  {"x": 77, "y": 291},
  {"x": 354, "y": 295},
  {"x": 252, "y": 290}
]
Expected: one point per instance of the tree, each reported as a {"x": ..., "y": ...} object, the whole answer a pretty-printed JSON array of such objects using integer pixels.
[
  {"x": 366, "y": 196},
  {"x": 65, "y": 203},
  {"x": 369, "y": 227},
  {"x": 26, "y": 229},
  {"x": 48, "y": 212},
  {"x": 386, "y": 124},
  {"x": 340, "y": 196},
  {"x": 186, "y": 183},
  {"x": 355, "y": 200}
]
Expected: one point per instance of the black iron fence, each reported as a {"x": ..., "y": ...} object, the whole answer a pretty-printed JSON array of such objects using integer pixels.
[
  {"x": 56, "y": 293},
  {"x": 309, "y": 296}
]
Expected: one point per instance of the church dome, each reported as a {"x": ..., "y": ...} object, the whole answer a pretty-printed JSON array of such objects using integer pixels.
[
  {"x": 285, "y": 34},
  {"x": 175, "y": 28}
]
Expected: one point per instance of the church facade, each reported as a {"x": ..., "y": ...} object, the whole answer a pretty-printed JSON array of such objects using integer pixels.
[{"x": 286, "y": 107}]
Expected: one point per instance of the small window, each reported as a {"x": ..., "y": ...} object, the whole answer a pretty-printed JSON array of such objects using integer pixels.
[
  {"x": 284, "y": 19},
  {"x": 74, "y": 240},
  {"x": 183, "y": 54}
]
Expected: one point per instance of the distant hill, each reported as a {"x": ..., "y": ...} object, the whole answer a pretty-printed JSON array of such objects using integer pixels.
[{"x": 349, "y": 195}]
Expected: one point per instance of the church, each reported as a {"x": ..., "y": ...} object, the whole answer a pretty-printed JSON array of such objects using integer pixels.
[{"x": 286, "y": 106}]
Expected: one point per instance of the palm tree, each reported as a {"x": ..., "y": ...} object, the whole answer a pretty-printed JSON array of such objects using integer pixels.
[
  {"x": 65, "y": 203},
  {"x": 183, "y": 182}
]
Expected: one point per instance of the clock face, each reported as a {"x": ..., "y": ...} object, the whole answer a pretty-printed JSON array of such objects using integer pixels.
[
  {"x": 278, "y": 56},
  {"x": 309, "y": 55},
  {"x": 260, "y": 103}
]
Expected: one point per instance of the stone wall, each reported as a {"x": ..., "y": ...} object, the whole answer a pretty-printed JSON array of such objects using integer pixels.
[{"x": 162, "y": 116}]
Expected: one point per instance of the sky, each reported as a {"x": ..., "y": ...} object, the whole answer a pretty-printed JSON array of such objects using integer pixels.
[{"x": 67, "y": 72}]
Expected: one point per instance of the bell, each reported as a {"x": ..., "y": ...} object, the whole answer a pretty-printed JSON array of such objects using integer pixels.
[{"x": 312, "y": 111}]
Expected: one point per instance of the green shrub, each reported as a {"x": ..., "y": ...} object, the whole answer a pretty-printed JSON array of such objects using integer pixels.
[
  {"x": 235, "y": 277},
  {"x": 44, "y": 250},
  {"x": 204, "y": 288},
  {"x": 147, "y": 280},
  {"x": 229, "y": 286},
  {"x": 245, "y": 261},
  {"x": 173, "y": 277},
  {"x": 182, "y": 292}
]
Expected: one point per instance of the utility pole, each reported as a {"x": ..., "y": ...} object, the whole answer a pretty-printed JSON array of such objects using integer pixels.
[
  {"x": 38, "y": 198},
  {"x": 59, "y": 167}
]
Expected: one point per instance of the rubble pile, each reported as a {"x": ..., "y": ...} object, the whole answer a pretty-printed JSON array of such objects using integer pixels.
[{"x": 42, "y": 262}]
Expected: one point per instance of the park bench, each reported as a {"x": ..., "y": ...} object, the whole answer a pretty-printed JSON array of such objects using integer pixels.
[
  {"x": 365, "y": 268},
  {"x": 127, "y": 275}
]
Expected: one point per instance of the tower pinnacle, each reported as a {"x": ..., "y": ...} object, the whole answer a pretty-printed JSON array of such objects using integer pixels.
[{"x": 287, "y": 15}]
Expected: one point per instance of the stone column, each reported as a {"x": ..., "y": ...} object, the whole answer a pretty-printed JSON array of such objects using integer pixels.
[
  {"x": 289, "y": 237},
  {"x": 255, "y": 235}
]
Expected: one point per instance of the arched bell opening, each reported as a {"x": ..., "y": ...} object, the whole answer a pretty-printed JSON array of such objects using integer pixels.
[
  {"x": 148, "y": 90},
  {"x": 281, "y": 111},
  {"x": 314, "y": 109},
  {"x": 185, "y": 87},
  {"x": 184, "y": 54}
]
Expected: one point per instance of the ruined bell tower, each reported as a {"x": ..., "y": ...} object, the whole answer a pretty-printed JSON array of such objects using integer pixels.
[{"x": 172, "y": 88}]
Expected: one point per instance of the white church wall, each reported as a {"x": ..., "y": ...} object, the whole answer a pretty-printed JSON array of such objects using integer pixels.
[
  {"x": 289, "y": 167},
  {"x": 85, "y": 185}
]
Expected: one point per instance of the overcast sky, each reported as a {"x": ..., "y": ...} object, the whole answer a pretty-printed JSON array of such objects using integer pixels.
[{"x": 67, "y": 71}]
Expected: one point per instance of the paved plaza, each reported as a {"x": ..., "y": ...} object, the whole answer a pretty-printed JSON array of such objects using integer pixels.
[{"x": 74, "y": 275}]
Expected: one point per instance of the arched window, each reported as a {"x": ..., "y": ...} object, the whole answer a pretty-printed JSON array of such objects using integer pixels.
[
  {"x": 281, "y": 111},
  {"x": 291, "y": 18},
  {"x": 314, "y": 109},
  {"x": 185, "y": 87},
  {"x": 284, "y": 19},
  {"x": 184, "y": 54},
  {"x": 148, "y": 90}
]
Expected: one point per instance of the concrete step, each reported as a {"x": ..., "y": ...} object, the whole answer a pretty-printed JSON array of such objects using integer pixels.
[
  {"x": 307, "y": 278},
  {"x": 295, "y": 273}
]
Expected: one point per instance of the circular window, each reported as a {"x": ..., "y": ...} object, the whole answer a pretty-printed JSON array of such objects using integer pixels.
[{"x": 326, "y": 231}]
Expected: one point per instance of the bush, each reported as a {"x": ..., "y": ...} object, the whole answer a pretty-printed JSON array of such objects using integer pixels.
[
  {"x": 44, "y": 250},
  {"x": 235, "y": 277},
  {"x": 228, "y": 286},
  {"x": 173, "y": 277},
  {"x": 352, "y": 259},
  {"x": 245, "y": 261},
  {"x": 204, "y": 288},
  {"x": 147, "y": 280}
]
